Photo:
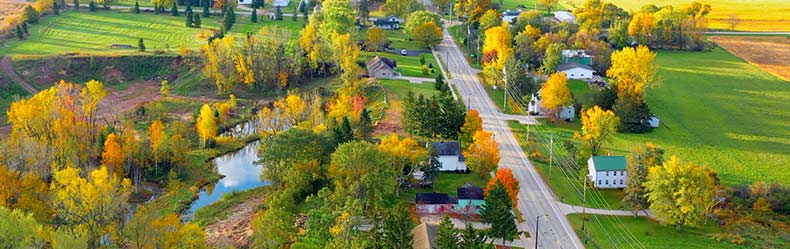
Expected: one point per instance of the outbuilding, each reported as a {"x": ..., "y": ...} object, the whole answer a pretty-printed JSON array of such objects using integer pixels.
[
  {"x": 382, "y": 68},
  {"x": 607, "y": 171},
  {"x": 576, "y": 71},
  {"x": 565, "y": 16}
]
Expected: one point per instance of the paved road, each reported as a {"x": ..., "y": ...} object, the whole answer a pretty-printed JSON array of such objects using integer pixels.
[{"x": 535, "y": 198}]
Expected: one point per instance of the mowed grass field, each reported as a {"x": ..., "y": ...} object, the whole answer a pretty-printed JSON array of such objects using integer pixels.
[
  {"x": 95, "y": 32},
  {"x": 755, "y": 15},
  {"x": 715, "y": 110}
]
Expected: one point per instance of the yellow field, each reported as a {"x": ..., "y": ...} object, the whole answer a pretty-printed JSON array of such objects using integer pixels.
[
  {"x": 771, "y": 53},
  {"x": 9, "y": 11},
  {"x": 755, "y": 15}
]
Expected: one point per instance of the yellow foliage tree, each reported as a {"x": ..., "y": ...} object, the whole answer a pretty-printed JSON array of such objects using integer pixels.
[
  {"x": 376, "y": 38},
  {"x": 428, "y": 33},
  {"x": 403, "y": 153},
  {"x": 472, "y": 124},
  {"x": 92, "y": 206},
  {"x": 679, "y": 193},
  {"x": 555, "y": 93},
  {"x": 532, "y": 32},
  {"x": 112, "y": 156},
  {"x": 598, "y": 127},
  {"x": 633, "y": 71},
  {"x": 642, "y": 26},
  {"x": 24, "y": 192},
  {"x": 482, "y": 156},
  {"x": 294, "y": 108},
  {"x": 157, "y": 135},
  {"x": 220, "y": 58},
  {"x": 497, "y": 49},
  {"x": 206, "y": 124}
]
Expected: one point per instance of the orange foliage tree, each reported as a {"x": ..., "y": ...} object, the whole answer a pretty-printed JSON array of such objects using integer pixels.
[
  {"x": 472, "y": 124},
  {"x": 505, "y": 176},
  {"x": 112, "y": 156},
  {"x": 483, "y": 155}
]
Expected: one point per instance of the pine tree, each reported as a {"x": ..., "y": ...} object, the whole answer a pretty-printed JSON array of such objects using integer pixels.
[
  {"x": 196, "y": 23},
  {"x": 397, "y": 229},
  {"x": 56, "y": 8},
  {"x": 24, "y": 28},
  {"x": 278, "y": 14},
  {"x": 76, "y": 4},
  {"x": 141, "y": 45},
  {"x": 232, "y": 15},
  {"x": 364, "y": 11},
  {"x": 497, "y": 212},
  {"x": 206, "y": 10},
  {"x": 446, "y": 235},
  {"x": 439, "y": 85},
  {"x": 227, "y": 22},
  {"x": 19, "y": 33},
  {"x": 365, "y": 124},
  {"x": 92, "y": 6},
  {"x": 472, "y": 238},
  {"x": 254, "y": 16},
  {"x": 344, "y": 132},
  {"x": 189, "y": 16},
  {"x": 136, "y": 7},
  {"x": 174, "y": 9}
]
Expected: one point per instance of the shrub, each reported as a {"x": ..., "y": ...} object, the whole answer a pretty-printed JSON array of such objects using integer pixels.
[{"x": 30, "y": 15}]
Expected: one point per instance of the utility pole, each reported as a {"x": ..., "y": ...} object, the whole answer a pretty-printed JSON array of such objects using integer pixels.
[
  {"x": 537, "y": 232},
  {"x": 584, "y": 206},
  {"x": 551, "y": 152},
  {"x": 504, "y": 74}
]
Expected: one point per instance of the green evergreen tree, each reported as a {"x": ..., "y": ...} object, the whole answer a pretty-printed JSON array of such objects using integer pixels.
[
  {"x": 472, "y": 238},
  {"x": 55, "y": 8},
  {"x": 156, "y": 9},
  {"x": 227, "y": 22},
  {"x": 364, "y": 11},
  {"x": 141, "y": 45},
  {"x": 19, "y": 34},
  {"x": 254, "y": 16},
  {"x": 29, "y": 14},
  {"x": 92, "y": 6},
  {"x": 232, "y": 14},
  {"x": 24, "y": 28},
  {"x": 497, "y": 211},
  {"x": 76, "y": 5},
  {"x": 446, "y": 235},
  {"x": 190, "y": 19},
  {"x": 365, "y": 124},
  {"x": 397, "y": 229},
  {"x": 278, "y": 14},
  {"x": 422, "y": 59},
  {"x": 206, "y": 10},
  {"x": 439, "y": 84},
  {"x": 344, "y": 132},
  {"x": 136, "y": 7},
  {"x": 174, "y": 9},
  {"x": 643, "y": 157},
  {"x": 197, "y": 22}
]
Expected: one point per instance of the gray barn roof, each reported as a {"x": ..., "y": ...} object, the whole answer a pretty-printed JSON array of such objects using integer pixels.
[
  {"x": 451, "y": 148},
  {"x": 571, "y": 65}
]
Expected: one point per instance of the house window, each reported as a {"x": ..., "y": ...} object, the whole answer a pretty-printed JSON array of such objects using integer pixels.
[
  {"x": 572, "y": 75},
  {"x": 599, "y": 182},
  {"x": 607, "y": 173},
  {"x": 621, "y": 181},
  {"x": 582, "y": 75},
  {"x": 607, "y": 182}
]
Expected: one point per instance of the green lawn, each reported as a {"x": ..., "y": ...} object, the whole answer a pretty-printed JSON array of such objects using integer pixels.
[
  {"x": 445, "y": 183},
  {"x": 715, "y": 110},
  {"x": 582, "y": 91},
  {"x": 521, "y": 4},
  {"x": 403, "y": 87},
  {"x": 94, "y": 32},
  {"x": 407, "y": 65},
  {"x": 605, "y": 232}
]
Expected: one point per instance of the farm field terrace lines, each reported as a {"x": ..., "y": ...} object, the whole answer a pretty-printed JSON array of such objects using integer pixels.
[
  {"x": 95, "y": 32},
  {"x": 755, "y": 15},
  {"x": 771, "y": 53}
]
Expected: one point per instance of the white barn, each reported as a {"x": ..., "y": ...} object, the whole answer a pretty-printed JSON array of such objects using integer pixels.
[
  {"x": 450, "y": 156},
  {"x": 576, "y": 71},
  {"x": 565, "y": 16},
  {"x": 566, "y": 113},
  {"x": 607, "y": 171}
]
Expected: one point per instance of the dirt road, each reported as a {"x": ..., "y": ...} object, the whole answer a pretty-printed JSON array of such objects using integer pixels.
[{"x": 236, "y": 230}]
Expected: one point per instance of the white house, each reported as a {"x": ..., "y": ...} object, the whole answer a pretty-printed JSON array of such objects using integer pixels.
[
  {"x": 391, "y": 22},
  {"x": 278, "y": 3},
  {"x": 450, "y": 156},
  {"x": 576, "y": 71},
  {"x": 566, "y": 113},
  {"x": 565, "y": 16},
  {"x": 510, "y": 16},
  {"x": 607, "y": 171}
]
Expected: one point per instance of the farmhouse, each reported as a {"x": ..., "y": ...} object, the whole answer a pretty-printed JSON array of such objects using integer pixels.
[
  {"x": 391, "y": 22},
  {"x": 577, "y": 56},
  {"x": 607, "y": 171},
  {"x": 450, "y": 156},
  {"x": 565, "y": 16},
  {"x": 576, "y": 71},
  {"x": 510, "y": 16},
  {"x": 534, "y": 107},
  {"x": 382, "y": 68}
]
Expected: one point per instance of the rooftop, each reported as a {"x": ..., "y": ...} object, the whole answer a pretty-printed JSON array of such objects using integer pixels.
[
  {"x": 609, "y": 163},
  {"x": 435, "y": 198},
  {"x": 572, "y": 65},
  {"x": 469, "y": 192}
]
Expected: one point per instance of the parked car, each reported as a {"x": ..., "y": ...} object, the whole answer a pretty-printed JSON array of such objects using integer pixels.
[{"x": 404, "y": 52}]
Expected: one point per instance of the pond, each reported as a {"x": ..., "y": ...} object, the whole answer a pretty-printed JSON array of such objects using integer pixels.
[{"x": 240, "y": 173}]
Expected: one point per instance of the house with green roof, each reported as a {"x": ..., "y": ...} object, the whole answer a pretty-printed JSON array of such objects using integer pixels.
[{"x": 607, "y": 171}]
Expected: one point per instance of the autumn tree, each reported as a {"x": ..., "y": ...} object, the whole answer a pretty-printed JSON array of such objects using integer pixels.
[
  {"x": 590, "y": 15},
  {"x": 112, "y": 156},
  {"x": 472, "y": 124},
  {"x": 404, "y": 154},
  {"x": 206, "y": 125},
  {"x": 338, "y": 17},
  {"x": 497, "y": 49},
  {"x": 548, "y": 4},
  {"x": 418, "y": 18},
  {"x": 644, "y": 157},
  {"x": 91, "y": 95},
  {"x": 428, "y": 33},
  {"x": 376, "y": 39},
  {"x": 219, "y": 63},
  {"x": 19, "y": 230},
  {"x": 642, "y": 26},
  {"x": 633, "y": 71},
  {"x": 482, "y": 156},
  {"x": 95, "y": 205},
  {"x": 598, "y": 128},
  {"x": 402, "y": 8},
  {"x": 679, "y": 192},
  {"x": 490, "y": 19},
  {"x": 359, "y": 172},
  {"x": 157, "y": 136},
  {"x": 511, "y": 184},
  {"x": 555, "y": 93},
  {"x": 148, "y": 228}
]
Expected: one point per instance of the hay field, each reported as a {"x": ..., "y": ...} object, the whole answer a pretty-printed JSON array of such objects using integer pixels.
[
  {"x": 755, "y": 15},
  {"x": 771, "y": 53},
  {"x": 9, "y": 11}
]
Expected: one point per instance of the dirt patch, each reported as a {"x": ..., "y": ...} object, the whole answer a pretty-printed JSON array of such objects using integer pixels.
[
  {"x": 119, "y": 102},
  {"x": 236, "y": 230},
  {"x": 391, "y": 121},
  {"x": 771, "y": 53}
]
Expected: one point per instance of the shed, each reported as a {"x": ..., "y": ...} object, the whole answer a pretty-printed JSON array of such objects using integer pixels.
[
  {"x": 578, "y": 56},
  {"x": 565, "y": 16},
  {"x": 382, "y": 68},
  {"x": 576, "y": 71}
]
